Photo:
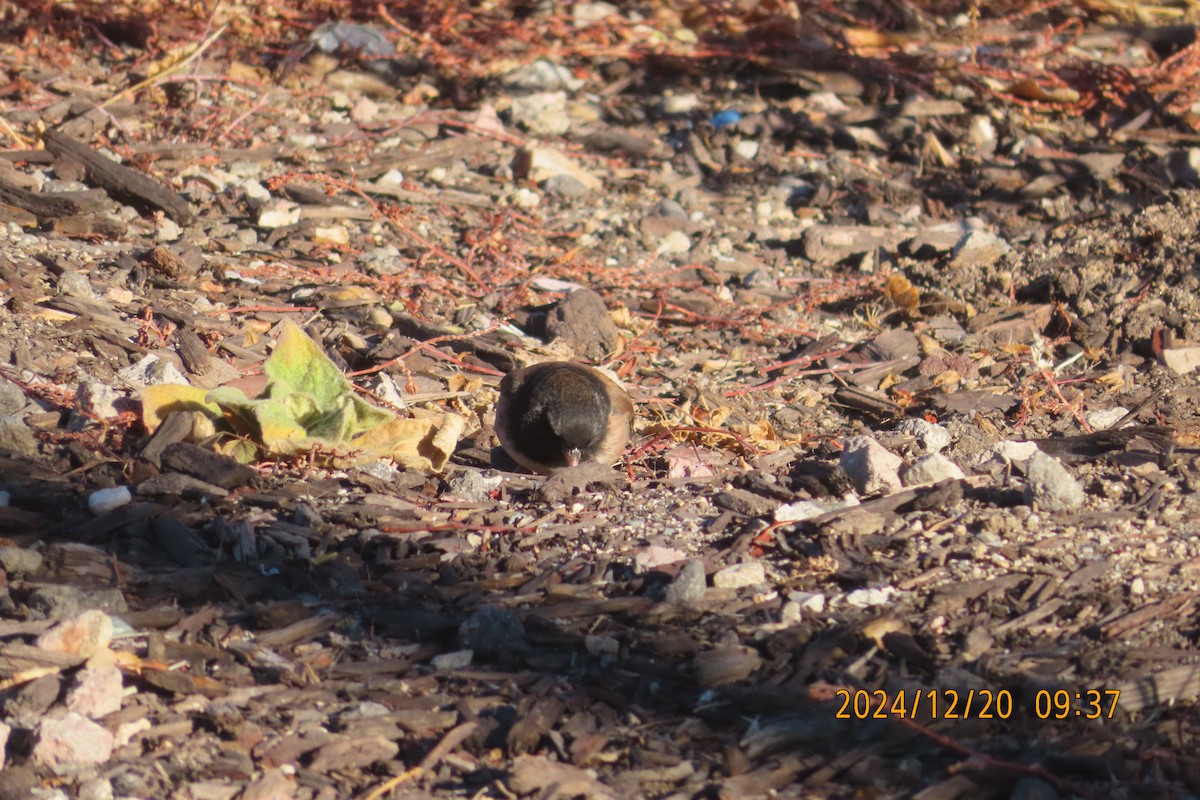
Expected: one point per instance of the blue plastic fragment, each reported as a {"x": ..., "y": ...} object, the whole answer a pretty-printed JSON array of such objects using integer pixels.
[{"x": 724, "y": 118}]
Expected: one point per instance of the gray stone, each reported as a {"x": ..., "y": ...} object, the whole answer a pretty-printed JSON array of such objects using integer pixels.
[
  {"x": 1034, "y": 789},
  {"x": 75, "y": 284},
  {"x": 12, "y": 398},
  {"x": 57, "y": 602},
  {"x": 583, "y": 322},
  {"x": 96, "y": 789},
  {"x": 567, "y": 186},
  {"x": 472, "y": 486},
  {"x": 932, "y": 468},
  {"x": 1050, "y": 486},
  {"x": 690, "y": 584},
  {"x": 16, "y": 437},
  {"x": 542, "y": 113},
  {"x": 493, "y": 633},
  {"x": 979, "y": 249},
  {"x": 871, "y": 467}
]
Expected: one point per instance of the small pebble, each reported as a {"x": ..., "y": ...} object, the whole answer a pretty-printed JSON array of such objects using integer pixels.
[
  {"x": 690, "y": 584},
  {"x": 103, "y": 501},
  {"x": 737, "y": 576},
  {"x": 457, "y": 659}
]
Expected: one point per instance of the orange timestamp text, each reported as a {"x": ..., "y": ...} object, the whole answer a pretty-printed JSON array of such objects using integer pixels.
[{"x": 935, "y": 704}]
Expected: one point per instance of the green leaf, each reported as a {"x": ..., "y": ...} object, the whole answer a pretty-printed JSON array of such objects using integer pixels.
[
  {"x": 299, "y": 365},
  {"x": 308, "y": 405}
]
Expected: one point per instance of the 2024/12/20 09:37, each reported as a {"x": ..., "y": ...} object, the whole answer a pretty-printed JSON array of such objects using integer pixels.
[{"x": 934, "y": 704}]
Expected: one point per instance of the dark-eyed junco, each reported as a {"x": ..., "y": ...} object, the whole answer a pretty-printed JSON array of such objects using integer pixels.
[{"x": 557, "y": 414}]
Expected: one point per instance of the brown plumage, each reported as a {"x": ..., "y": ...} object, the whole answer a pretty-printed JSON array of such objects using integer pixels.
[{"x": 558, "y": 414}]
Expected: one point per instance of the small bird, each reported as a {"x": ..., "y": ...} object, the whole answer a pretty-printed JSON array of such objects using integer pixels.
[{"x": 557, "y": 414}]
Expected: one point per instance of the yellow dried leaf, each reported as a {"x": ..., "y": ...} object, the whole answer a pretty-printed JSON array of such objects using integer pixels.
[
  {"x": 160, "y": 401},
  {"x": 461, "y": 382},
  {"x": 901, "y": 293}
]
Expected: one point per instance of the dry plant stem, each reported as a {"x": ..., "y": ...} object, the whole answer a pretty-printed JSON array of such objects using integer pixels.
[
  {"x": 455, "y": 737},
  {"x": 982, "y": 761},
  {"x": 264, "y": 309},
  {"x": 195, "y": 54},
  {"x": 388, "y": 212},
  {"x": 694, "y": 429},
  {"x": 427, "y": 345},
  {"x": 1048, "y": 376}
]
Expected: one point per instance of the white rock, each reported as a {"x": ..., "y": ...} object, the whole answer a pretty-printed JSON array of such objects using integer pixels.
[
  {"x": 525, "y": 198},
  {"x": 150, "y": 370},
  {"x": 747, "y": 149},
  {"x": 867, "y": 598},
  {"x": 585, "y": 14},
  {"x": 932, "y": 468},
  {"x": 1181, "y": 360},
  {"x": 457, "y": 659},
  {"x": 675, "y": 243},
  {"x": 930, "y": 438},
  {"x": 542, "y": 75},
  {"x": 807, "y": 509},
  {"x": 545, "y": 163},
  {"x": 167, "y": 230},
  {"x": 1106, "y": 418},
  {"x": 255, "y": 192},
  {"x": 393, "y": 177},
  {"x": 278, "y": 214},
  {"x": 981, "y": 135},
  {"x": 336, "y": 235},
  {"x": 826, "y": 103},
  {"x": 736, "y": 576},
  {"x": 103, "y": 501},
  {"x": 870, "y": 465},
  {"x": 809, "y": 601},
  {"x": 1014, "y": 452},
  {"x": 601, "y": 645},
  {"x": 680, "y": 103}
]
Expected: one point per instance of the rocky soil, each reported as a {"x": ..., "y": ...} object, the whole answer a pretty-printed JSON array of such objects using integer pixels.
[{"x": 905, "y": 293}]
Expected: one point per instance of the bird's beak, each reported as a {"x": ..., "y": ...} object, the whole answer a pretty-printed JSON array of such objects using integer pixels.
[{"x": 572, "y": 456}]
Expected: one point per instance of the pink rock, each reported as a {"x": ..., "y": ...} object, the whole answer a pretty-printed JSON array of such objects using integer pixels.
[
  {"x": 96, "y": 692},
  {"x": 70, "y": 740}
]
